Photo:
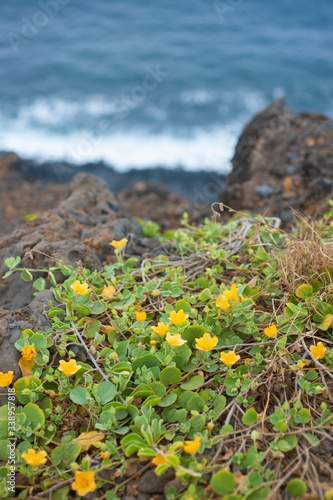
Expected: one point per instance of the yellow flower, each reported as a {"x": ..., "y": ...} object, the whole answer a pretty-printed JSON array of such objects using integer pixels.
[
  {"x": 231, "y": 294},
  {"x": 206, "y": 343},
  {"x": 84, "y": 483},
  {"x": 270, "y": 331},
  {"x": 175, "y": 340},
  {"x": 6, "y": 378},
  {"x": 300, "y": 364},
  {"x": 159, "y": 460},
  {"x": 318, "y": 350},
  {"x": 229, "y": 358},
  {"x": 177, "y": 318},
  {"x": 222, "y": 303},
  {"x": 140, "y": 316},
  {"x": 108, "y": 292},
  {"x": 104, "y": 454},
  {"x": 192, "y": 446},
  {"x": 80, "y": 288},
  {"x": 35, "y": 458},
  {"x": 68, "y": 367},
  {"x": 29, "y": 352},
  {"x": 161, "y": 329},
  {"x": 153, "y": 343},
  {"x": 119, "y": 245}
]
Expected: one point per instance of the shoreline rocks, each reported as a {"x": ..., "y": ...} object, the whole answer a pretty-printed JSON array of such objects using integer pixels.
[{"x": 282, "y": 161}]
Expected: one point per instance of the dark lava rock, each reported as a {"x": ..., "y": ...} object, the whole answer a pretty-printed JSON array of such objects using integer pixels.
[
  {"x": 289, "y": 153},
  {"x": 150, "y": 483},
  {"x": 12, "y": 324}
]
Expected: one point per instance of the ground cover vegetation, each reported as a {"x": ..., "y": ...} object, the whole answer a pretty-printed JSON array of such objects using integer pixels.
[{"x": 213, "y": 360}]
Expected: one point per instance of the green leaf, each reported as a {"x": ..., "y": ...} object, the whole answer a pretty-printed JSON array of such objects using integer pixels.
[
  {"x": 168, "y": 400},
  {"x": 92, "y": 329},
  {"x": 170, "y": 375},
  {"x": 79, "y": 395},
  {"x": 26, "y": 275},
  {"x": 303, "y": 416},
  {"x": 205, "y": 294},
  {"x": 312, "y": 439},
  {"x": 193, "y": 383},
  {"x": 197, "y": 422},
  {"x": 288, "y": 443},
  {"x": 65, "y": 454},
  {"x": 250, "y": 417},
  {"x": 106, "y": 391},
  {"x": 39, "y": 284},
  {"x": 193, "y": 332},
  {"x": 297, "y": 487},
  {"x": 223, "y": 482},
  {"x": 195, "y": 403},
  {"x": 304, "y": 291},
  {"x": 226, "y": 429},
  {"x": 184, "y": 305},
  {"x": 311, "y": 375},
  {"x": 38, "y": 340},
  {"x": 147, "y": 360},
  {"x": 4, "y": 449}
]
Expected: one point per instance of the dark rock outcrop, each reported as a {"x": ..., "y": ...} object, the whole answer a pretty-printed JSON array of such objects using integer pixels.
[{"x": 282, "y": 160}]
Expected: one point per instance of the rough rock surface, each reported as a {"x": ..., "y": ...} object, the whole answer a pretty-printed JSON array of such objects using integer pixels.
[
  {"x": 12, "y": 324},
  {"x": 282, "y": 160},
  {"x": 77, "y": 231}
]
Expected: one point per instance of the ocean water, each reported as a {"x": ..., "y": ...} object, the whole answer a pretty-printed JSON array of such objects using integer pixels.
[{"x": 151, "y": 83}]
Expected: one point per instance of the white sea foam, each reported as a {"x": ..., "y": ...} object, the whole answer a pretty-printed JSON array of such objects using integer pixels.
[
  {"x": 203, "y": 149},
  {"x": 55, "y": 111}
]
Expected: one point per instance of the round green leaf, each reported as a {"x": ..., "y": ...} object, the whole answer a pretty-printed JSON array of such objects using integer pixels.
[
  {"x": 168, "y": 400},
  {"x": 193, "y": 383},
  {"x": 223, "y": 482},
  {"x": 195, "y": 403},
  {"x": 170, "y": 375},
  {"x": 250, "y": 417},
  {"x": 106, "y": 391},
  {"x": 147, "y": 360},
  {"x": 79, "y": 395},
  {"x": 193, "y": 332},
  {"x": 35, "y": 415},
  {"x": 38, "y": 340},
  {"x": 184, "y": 305},
  {"x": 296, "y": 487}
]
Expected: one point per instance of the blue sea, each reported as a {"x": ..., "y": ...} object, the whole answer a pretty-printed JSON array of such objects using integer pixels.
[{"x": 155, "y": 83}]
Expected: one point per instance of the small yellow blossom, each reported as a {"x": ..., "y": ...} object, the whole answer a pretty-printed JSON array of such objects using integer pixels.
[
  {"x": 161, "y": 329},
  {"x": 153, "y": 343},
  {"x": 29, "y": 352},
  {"x": 35, "y": 458},
  {"x": 229, "y": 358},
  {"x": 318, "y": 350},
  {"x": 175, "y": 340},
  {"x": 68, "y": 367},
  {"x": 6, "y": 378},
  {"x": 231, "y": 294},
  {"x": 104, "y": 454},
  {"x": 119, "y": 245},
  {"x": 84, "y": 483},
  {"x": 222, "y": 303},
  {"x": 192, "y": 447},
  {"x": 177, "y": 318},
  {"x": 140, "y": 316},
  {"x": 300, "y": 364},
  {"x": 108, "y": 292},
  {"x": 80, "y": 288},
  {"x": 159, "y": 460},
  {"x": 210, "y": 426},
  {"x": 206, "y": 343},
  {"x": 271, "y": 331}
]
